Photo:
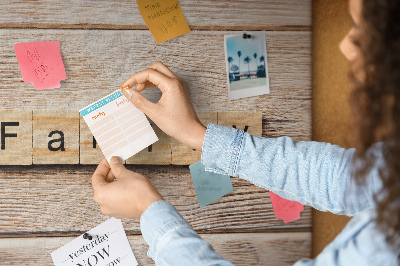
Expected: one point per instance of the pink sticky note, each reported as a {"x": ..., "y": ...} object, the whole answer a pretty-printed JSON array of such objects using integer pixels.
[
  {"x": 284, "y": 209},
  {"x": 41, "y": 64}
]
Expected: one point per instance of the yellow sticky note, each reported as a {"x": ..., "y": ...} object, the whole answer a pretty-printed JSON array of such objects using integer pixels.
[{"x": 164, "y": 18}]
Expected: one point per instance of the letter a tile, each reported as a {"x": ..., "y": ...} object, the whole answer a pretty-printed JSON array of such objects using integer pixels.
[
  {"x": 55, "y": 137},
  {"x": 16, "y": 137}
]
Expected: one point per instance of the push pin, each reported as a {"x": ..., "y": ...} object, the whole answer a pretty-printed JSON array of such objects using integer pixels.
[
  {"x": 87, "y": 236},
  {"x": 246, "y": 36}
]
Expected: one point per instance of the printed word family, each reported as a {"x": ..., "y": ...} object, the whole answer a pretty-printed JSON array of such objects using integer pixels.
[{"x": 64, "y": 137}]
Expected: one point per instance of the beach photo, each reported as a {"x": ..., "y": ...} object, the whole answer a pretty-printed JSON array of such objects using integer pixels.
[{"x": 246, "y": 64}]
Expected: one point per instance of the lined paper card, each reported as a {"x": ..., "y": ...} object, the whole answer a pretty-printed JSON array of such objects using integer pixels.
[{"x": 118, "y": 126}]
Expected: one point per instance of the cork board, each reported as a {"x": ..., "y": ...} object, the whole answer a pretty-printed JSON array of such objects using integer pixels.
[
  {"x": 95, "y": 68},
  {"x": 331, "y": 90}
]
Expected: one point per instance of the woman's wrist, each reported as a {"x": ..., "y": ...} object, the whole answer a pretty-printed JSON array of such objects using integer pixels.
[{"x": 199, "y": 135}]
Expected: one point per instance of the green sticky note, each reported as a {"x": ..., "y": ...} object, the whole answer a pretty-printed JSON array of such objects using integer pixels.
[{"x": 209, "y": 186}]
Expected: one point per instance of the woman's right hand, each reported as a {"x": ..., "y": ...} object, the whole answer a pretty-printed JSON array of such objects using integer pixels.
[{"x": 173, "y": 113}]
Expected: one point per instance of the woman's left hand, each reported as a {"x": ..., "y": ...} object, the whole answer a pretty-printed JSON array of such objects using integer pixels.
[{"x": 128, "y": 196}]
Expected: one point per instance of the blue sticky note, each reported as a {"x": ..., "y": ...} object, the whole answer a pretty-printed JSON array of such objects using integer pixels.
[{"x": 209, "y": 186}]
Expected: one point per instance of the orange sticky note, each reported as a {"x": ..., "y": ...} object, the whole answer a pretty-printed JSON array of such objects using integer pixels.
[
  {"x": 164, "y": 18},
  {"x": 284, "y": 209},
  {"x": 41, "y": 64}
]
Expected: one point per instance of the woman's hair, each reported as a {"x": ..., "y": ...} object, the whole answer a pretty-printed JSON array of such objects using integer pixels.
[{"x": 376, "y": 107}]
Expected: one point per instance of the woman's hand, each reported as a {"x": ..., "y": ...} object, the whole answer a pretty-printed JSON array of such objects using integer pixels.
[
  {"x": 174, "y": 113},
  {"x": 128, "y": 196}
]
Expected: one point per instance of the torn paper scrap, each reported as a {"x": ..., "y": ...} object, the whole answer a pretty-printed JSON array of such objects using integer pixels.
[
  {"x": 164, "y": 18},
  {"x": 284, "y": 209},
  {"x": 209, "y": 186},
  {"x": 41, "y": 64},
  {"x": 118, "y": 126}
]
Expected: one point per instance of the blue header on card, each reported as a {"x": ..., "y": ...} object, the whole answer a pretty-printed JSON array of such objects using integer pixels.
[{"x": 102, "y": 102}]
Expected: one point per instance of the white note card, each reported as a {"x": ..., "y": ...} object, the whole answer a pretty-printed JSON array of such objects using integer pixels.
[
  {"x": 118, "y": 126},
  {"x": 109, "y": 246}
]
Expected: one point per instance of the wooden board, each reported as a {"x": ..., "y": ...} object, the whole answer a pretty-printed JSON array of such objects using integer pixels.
[
  {"x": 241, "y": 249},
  {"x": 109, "y": 14},
  {"x": 46, "y": 201},
  {"x": 40, "y": 199},
  {"x": 55, "y": 137},
  {"x": 182, "y": 154},
  {"x": 250, "y": 122},
  {"x": 89, "y": 150},
  {"x": 95, "y": 68},
  {"x": 16, "y": 137}
]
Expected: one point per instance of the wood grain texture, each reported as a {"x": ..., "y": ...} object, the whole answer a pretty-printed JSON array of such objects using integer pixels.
[
  {"x": 107, "y": 14},
  {"x": 182, "y": 154},
  {"x": 55, "y": 137},
  {"x": 40, "y": 199},
  {"x": 251, "y": 122},
  {"x": 16, "y": 137},
  {"x": 87, "y": 153},
  {"x": 96, "y": 67},
  {"x": 157, "y": 153},
  {"x": 240, "y": 249}
]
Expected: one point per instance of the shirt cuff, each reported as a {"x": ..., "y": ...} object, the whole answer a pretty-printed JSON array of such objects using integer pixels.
[
  {"x": 158, "y": 219},
  {"x": 222, "y": 148}
]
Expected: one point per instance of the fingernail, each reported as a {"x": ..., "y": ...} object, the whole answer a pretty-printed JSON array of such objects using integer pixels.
[
  {"x": 127, "y": 93},
  {"x": 115, "y": 160}
]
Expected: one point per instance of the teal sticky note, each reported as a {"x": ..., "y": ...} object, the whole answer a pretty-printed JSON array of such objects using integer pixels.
[{"x": 209, "y": 186}]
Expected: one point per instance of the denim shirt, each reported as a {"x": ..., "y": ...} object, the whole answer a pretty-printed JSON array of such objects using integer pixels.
[{"x": 312, "y": 173}]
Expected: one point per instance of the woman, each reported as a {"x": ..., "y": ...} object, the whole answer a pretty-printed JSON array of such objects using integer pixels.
[{"x": 317, "y": 174}]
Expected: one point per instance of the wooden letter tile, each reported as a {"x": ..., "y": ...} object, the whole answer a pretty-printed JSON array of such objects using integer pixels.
[
  {"x": 16, "y": 137},
  {"x": 89, "y": 150},
  {"x": 182, "y": 154},
  {"x": 55, "y": 137},
  {"x": 157, "y": 153},
  {"x": 250, "y": 122}
]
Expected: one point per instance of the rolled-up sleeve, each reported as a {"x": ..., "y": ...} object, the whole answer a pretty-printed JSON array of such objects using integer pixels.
[{"x": 313, "y": 173}]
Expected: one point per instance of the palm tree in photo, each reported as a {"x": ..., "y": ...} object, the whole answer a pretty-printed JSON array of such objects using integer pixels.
[
  {"x": 255, "y": 60},
  {"x": 230, "y": 60},
  {"x": 262, "y": 59},
  {"x": 261, "y": 72},
  {"x": 239, "y": 55},
  {"x": 247, "y": 60}
]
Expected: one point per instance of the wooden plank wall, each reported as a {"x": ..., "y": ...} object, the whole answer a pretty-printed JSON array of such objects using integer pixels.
[{"x": 102, "y": 44}]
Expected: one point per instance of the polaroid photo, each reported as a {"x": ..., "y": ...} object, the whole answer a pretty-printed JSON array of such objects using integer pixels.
[{"x": 246, "y": 64}]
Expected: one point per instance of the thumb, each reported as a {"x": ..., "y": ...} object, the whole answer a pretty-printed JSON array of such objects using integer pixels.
[
  {"x": 117, "y": 168},
  {"x": 138, "y": 100}
]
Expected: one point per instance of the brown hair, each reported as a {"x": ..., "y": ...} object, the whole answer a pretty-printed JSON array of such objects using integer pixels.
[{"x": 376, "y": 107}]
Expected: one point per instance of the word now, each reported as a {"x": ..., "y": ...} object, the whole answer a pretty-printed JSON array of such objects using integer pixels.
[{"x": 62, "y": 137}]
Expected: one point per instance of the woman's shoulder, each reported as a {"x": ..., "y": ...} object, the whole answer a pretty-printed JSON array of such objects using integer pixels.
[{"x": 361, "y": 240}]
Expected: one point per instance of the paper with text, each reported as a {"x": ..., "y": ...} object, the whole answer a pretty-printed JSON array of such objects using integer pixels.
[
  {"x": 108, "y": 246},
  {"x": 209, "y": 186},
  {"x": 41, "y": 64},
  {"x": 118, "y": 126},
  {"x": 284, "y": 209},
  {"x": 164, "y": 18}
]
